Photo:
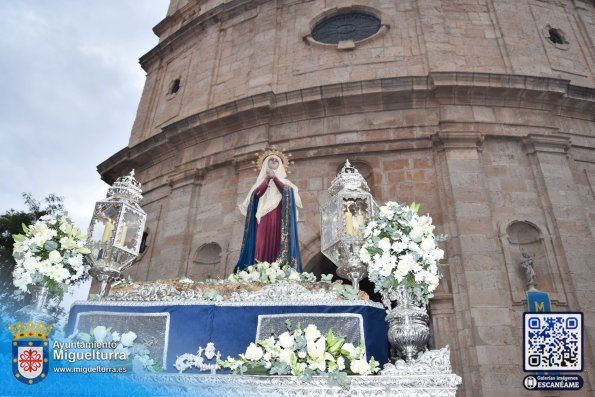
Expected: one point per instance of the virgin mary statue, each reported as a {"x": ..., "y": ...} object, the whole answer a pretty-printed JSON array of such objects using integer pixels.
[{"x": 270, "y": 231}]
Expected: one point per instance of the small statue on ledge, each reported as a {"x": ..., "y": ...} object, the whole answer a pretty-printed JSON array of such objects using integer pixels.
[{"x": 527, "y": 264}]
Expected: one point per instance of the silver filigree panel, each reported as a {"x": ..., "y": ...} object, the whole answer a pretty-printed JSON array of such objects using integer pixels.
[{"x": 151, "y": 329}]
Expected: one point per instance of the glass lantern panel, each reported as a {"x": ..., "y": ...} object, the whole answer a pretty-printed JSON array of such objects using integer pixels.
[
  {"x": 103, "y": 222},
  {"x": 329, "y": 224},
  {"x": 354, "y": 216},
  {"x": 130, "y": 230}
]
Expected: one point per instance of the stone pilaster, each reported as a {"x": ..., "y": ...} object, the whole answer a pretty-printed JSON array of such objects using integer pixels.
[
  {"x": 479, "y": 281},
  {"x": 176, "y": 227},
  {"x": 565, "y": 214}
]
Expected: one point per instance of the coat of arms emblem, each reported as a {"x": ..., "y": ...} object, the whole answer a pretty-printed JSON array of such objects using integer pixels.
[{"x": 30, "y": 351}]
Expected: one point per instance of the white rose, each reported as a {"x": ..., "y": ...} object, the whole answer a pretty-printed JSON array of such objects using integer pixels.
[
  {"x": 254, "y": 352},
  {"x": 99, "y": 333},
  {"x": 360, "y": 367},
  {"x": 55, "y": 256},
  {"x": 311, "y": 332},
  {"x": 286, "y": 341},
  {"x": 384, "y": 244},
  {"x": 115, "y": 336},
  {"x": 128, "y": 338}
]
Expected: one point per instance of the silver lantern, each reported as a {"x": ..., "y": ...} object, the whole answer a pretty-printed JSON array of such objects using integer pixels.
[
  {"x": 115, "y": 231},
  {"x": 344, "y": 218}
]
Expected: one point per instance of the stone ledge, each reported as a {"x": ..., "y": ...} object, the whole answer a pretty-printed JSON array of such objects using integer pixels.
[{"x": 541, "y": 93}]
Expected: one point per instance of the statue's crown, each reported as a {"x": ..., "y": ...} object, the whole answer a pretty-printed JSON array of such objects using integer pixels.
[
  {"x": 30, "y": 330},
  {"x": 260, "y": 157}
]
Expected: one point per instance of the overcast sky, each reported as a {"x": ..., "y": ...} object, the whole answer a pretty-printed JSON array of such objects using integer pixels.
[{"x": 70, "y": 83}]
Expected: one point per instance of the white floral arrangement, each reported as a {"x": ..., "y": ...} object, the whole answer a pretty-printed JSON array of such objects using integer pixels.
[
  {"x": 400, "y": 249},
  {"x": 136, "y": 352},
  {"x": 269, "y": 273},
  {"x": 50, "y": 252},
  {"x": 304, "y": 354}
]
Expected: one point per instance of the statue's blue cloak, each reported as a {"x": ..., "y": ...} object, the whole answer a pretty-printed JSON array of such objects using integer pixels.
[{"x": 289, "y": 247}]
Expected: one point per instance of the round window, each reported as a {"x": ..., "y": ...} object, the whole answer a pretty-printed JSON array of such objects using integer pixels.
[{"x": 354, "y": 26}]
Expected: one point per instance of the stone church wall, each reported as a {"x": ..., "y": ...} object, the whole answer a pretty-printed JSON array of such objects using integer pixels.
[{"x": 463, "y": 106}]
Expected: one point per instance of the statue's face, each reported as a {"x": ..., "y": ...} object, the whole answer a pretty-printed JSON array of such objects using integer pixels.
[{"x": 273, "y": 163}]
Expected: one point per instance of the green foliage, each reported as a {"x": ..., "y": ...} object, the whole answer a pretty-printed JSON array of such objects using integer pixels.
[{"x": 13, "y": 221}]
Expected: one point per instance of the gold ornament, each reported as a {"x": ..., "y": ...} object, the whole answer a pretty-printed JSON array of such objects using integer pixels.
[{"x": 273, "y": 151}]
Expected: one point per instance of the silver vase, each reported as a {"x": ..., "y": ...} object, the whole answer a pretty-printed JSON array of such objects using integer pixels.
[
  {"x": 41, "y": 305},
  {"x": 408, "y": 331}
]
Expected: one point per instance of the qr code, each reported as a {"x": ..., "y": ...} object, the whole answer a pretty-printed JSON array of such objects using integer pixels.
[{"x": 553, "y": 341}]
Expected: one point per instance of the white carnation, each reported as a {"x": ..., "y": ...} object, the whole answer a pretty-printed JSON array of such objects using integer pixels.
[
  {"x": 31, "y": 264},
  {"x": 311, "y": 332},
  {"x": 58, "y": 273},
  {"x": 360, "y": 367},
  {"x": 340, "y": 363},
  {"x": 386, "y": 212}
]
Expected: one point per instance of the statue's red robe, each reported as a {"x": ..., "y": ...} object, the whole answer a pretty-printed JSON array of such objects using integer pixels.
[{"x": 268, "y": 230}]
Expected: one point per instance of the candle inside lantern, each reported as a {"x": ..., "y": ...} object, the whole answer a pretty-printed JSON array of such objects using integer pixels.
[{"x": 108, "y": 230}]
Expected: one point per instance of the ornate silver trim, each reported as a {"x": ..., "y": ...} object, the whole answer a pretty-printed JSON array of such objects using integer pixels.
[
  {"x": 431, "y": 362},
  {"x": 283, "y": 291},
  {"x": 435, "y": 385},
  {"x": 187, "y": 360},
  {"x": 277, "y": 294},
  {"x": 230, "y": 304}
]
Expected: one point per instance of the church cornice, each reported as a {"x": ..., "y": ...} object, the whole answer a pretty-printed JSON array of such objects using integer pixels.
[
  {"x": 190, "y": 19},
  {"x": 555, "y": 96}
]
